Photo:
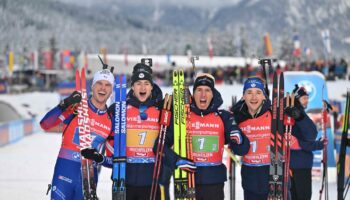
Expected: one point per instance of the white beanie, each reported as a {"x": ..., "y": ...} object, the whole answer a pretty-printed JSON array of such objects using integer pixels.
[{"x": 104, "y": 74}]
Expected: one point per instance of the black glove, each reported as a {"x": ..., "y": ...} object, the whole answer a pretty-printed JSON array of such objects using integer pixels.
[
  {"x": 111, "y": 109},
  {"x": 74, "y": 98},
  {"x": 294, "y": 112},
  {"x": 92, "y": 154}
]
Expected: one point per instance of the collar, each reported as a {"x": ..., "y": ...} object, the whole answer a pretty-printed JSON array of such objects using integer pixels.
[{"x": 95, "y": 109}]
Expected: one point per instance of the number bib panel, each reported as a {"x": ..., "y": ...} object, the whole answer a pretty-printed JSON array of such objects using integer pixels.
[
  {"x": 258, "y": 131},
  {"x": 141, "y": 134},
  {"x": 100, "y": 129},
  {"x": 207, "y": 139}
]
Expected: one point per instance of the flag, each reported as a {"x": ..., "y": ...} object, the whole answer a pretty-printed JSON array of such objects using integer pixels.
[
  {"x": 188, "y": 51},
  {"x": 144, "y": 49},
  {"x": 210, "y": 48},
  {"x": 11, "y": 61},
  {"x": 168, "y": 58},
  {"x": 307, "y": 52},
  {"x": 326, "y": 41},
  {"x": 47, "y": 59},
  {"x": 34, "y": 60},
  {"x": 268, "y": 45},
  {"x": 125, "y": 51},
  {"x": 66, "y": 59},
  {"x": 296, "y": 43}
]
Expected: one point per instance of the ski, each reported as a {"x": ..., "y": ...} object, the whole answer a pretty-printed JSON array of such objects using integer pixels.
[
  {"x": 277, "y": 141},
  {"x": 87, "y": 168},
  {"x": 183, "y": 133},
  {"x": 342, "y": 152},
  {"x": 288, "y": 123},
  {"x": 324, "y": 185},
  {"x": 119, "y": 155},
  {"x": 191, "y": 191},
  {"x": 164, "y": 123},
  {"x": 280, "y": 140},
  {"x": 180, "y": 176}
]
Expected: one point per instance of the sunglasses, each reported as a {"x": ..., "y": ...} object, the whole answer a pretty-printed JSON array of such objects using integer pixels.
[{"x": 143, "y": 114}]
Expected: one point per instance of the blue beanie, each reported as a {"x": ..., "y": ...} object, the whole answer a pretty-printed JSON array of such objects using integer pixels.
[{"x": 254, "y": 82}]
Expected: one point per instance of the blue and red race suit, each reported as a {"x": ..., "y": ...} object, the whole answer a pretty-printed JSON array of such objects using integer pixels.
[{"x": 66, "y": 183}]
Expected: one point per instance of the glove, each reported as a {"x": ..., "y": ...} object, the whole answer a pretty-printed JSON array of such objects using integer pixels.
[
  {"x": 74, "y": 98},
  {"x": 111, "y": 109},
  {"x": 92, "y": 154},
  {"x": 236, "y": 137},
  {"x": 186, "y": 164},
  {"x": 294, "y": 112}
]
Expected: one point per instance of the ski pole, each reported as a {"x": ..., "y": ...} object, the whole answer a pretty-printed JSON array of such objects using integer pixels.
[
  {"x": 191, "y": 193},
  {"x": 164, "y": 121}
]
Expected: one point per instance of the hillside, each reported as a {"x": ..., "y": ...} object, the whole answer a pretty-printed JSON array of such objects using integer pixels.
[{"x": 169, "y": 27}]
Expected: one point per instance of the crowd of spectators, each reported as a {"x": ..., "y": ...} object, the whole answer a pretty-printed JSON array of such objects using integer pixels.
[{"x": 333, "y": 70}]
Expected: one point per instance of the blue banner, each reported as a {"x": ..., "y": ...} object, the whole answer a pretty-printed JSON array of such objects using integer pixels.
[{"x": 312, "y": 82}]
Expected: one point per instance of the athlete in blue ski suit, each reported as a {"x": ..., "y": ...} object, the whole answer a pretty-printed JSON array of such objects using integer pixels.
[{"x": 67, "y": 178}]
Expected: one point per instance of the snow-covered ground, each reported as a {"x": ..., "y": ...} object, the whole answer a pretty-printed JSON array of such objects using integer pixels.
[{"x": 27, "y": 165}]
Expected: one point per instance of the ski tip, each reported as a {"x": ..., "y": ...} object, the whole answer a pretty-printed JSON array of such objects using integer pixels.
[
  {"x": 181, "y": 72},
  {"x": 175, "y": 73}
]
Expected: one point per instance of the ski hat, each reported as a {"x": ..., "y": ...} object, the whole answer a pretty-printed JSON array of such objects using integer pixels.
[
  {"x": 140, "y": 67},
  {"x": 299, "y": 91},
  {"x": 204, "y": 79},
  {"x": 104, "y": 74},
  {"x": 254, "y": 82},
  {"x": 141, "y": 72}
]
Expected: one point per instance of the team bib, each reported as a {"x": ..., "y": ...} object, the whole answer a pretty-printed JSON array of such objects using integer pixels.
[
  {"x": 140, "y": 135},
  {"x": 207, "y": 139},
  {"x": 258, "y": 131}
]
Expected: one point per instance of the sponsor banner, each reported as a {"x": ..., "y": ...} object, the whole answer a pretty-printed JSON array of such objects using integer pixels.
[
  {"x": 4, "y": 134},
  {"x": 15, "y": 130},
  {"x": 27, "y": 127}
]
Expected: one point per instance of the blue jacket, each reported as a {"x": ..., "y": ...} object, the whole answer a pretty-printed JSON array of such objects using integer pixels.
[
  {"x": 255, "y": 179},
  {"x": 141, "y": 174},
  {"x": 205, "y": 174},
  {"x": 306, "y": 132}
]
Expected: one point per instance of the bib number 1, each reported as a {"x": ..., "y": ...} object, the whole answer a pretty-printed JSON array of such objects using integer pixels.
[{"x": 142, "y": 137}]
